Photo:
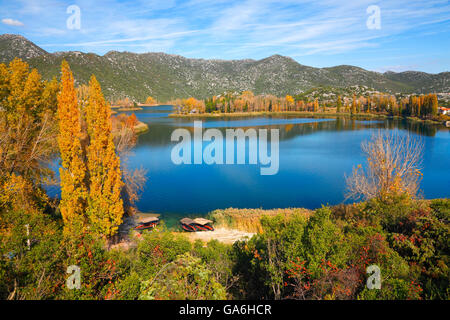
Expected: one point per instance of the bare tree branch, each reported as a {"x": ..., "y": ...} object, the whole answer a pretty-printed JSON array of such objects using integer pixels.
[{"x": 393, "y": 167}]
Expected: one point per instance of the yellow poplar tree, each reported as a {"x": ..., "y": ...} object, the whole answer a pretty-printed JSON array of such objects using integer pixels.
[
  {"x": 19, "y": 72},
  {"x": 150, "y": 100},
  {"x": 354, "y": 105},
  {"x": 339, "y": 104},
  {"x": 290, "y": 101},
  {"x": 105, "y": 205},
  {"x": 50, "y": 94},
  {"x": 316, "y": 105},
  {"x": 73, "y": 170}
]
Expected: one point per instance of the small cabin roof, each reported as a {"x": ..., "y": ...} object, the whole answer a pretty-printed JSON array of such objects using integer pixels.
[
  {"x": 187, "y": 221},
  {"x": 202, "y": 221},
  {"x": 149, "y": 219}
]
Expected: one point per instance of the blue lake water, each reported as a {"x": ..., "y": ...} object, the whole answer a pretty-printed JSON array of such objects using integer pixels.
[{"x": 314, "y": 155}]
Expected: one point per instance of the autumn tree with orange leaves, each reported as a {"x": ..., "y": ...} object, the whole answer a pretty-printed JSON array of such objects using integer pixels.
[
  {"x": 105, "y": 205},
  {"x": 27, "y": 135},
  {"x": 91, "y": 179},
  {"x": 73, "y": 169},
  {"x": 150, "y": 100},
  {"x": 289, "y": 101}
]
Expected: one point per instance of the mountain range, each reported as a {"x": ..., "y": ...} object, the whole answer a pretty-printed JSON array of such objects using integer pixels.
[{"x": 166, "y": 76}]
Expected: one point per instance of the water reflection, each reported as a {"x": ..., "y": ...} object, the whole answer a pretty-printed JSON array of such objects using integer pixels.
[
  {"x": 160, "y": 132},
  {"x": 314, "y": 156}
]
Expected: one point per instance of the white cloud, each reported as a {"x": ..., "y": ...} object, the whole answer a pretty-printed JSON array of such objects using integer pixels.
[
  {"x": 12, "y": 22},
  {"x": 235, "y": 29}
]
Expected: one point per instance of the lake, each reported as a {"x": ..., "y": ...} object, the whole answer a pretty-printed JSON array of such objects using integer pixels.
[{"x": 314, "y": 155}]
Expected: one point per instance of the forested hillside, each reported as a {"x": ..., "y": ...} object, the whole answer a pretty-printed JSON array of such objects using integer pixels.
[{"x": 166, "y": 77}]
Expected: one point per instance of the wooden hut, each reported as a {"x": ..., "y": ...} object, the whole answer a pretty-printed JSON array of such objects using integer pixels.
[
  {"x": 203, "y": 224},
  {"x": 198, "y": 224},
  {"x": 147, "y": 223},
  {"x": 187, "y": 224}
]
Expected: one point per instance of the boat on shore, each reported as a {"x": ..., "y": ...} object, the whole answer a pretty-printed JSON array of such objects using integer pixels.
[
  {"x": 147, "y": 223},
  {"x": 197, "y": 224}
]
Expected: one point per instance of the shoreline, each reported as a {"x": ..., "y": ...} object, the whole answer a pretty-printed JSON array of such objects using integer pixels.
[
  {"x": 115, "y": 110},
  {"x": 304, "y": 114},
  {"x": 141, "y": 127},
  {"x": 230, "y": 225},
  {"x": 222, "y": 234},
  {"x": 143, "y": 105}
]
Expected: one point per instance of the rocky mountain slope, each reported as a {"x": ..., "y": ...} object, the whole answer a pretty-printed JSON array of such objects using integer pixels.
[
  {"x": 12, "y": 46},
  {"x": 164, "y": 76}
]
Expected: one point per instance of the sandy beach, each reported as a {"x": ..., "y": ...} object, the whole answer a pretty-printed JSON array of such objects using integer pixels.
[{"x": 224, "y": 235}]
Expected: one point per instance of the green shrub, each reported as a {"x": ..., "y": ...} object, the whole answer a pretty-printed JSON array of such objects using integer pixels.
[
  {"x": 35, "y": 273},
  {"x": 185, "y": 278},
  {"x": 393, "y": 289},
  {"x": 130, "y": 287},
  {"x": 158, "y": 248},
  {"x": 323, "y": 241},
  {"x": 220, "y": 260}
]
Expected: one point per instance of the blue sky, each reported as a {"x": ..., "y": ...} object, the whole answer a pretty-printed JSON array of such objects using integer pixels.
[{"x": 413, "y": 35}]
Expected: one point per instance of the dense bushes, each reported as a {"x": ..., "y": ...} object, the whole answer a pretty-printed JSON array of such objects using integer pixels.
[
  {"x": 186, "y": 277},
  {"x": 168, "y": 266},
  {"x": 325, "y": 257},
  {"x": 29, "y": 274},
  {"x": 320, "y": 256},
  {"x": 40, "y": 271}
]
